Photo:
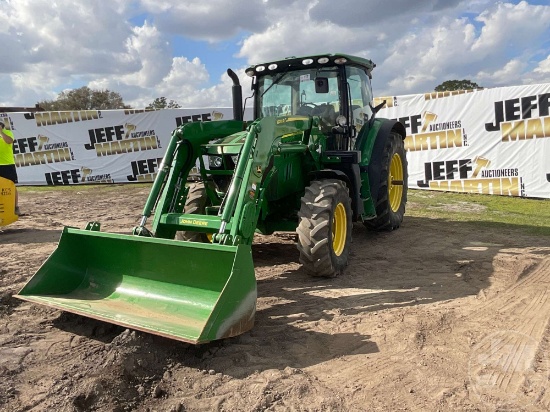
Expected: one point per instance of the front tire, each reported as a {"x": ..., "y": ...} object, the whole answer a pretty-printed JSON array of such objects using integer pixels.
[
  {"x": 392, "y": 193},
  {"x": 324, "y": 229}
]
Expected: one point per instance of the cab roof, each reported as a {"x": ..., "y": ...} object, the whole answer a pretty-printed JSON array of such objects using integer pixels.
[{"x": 314, "y": 61}]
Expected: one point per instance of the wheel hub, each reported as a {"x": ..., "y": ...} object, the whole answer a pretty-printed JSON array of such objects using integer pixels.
[
  {"x": 339, "y": 229},
  {"x": 395, "y": 182}
]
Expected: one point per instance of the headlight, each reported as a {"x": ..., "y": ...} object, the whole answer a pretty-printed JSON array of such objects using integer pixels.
[
  {"x": 215, "y": 161},
  {"x": 341, "y": 121}
]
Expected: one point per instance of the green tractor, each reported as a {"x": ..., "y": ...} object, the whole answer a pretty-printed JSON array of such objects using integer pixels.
[{"x": 314, "y": 160}]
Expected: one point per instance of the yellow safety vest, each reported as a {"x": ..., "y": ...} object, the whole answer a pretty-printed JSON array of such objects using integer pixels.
[{"x": 6, "y": 150}]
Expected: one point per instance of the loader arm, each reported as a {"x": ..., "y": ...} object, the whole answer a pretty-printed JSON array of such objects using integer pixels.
[
  {"x": 167, "y": 194},
  {"x": 238, "y": 215}
]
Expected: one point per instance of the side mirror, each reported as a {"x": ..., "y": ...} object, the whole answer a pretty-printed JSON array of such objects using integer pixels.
[
  {"x": 321, "y": 85},
  {"x": 377, "y": 108}
]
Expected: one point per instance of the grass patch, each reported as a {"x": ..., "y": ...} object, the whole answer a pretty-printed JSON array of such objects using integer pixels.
[{"x": 532, "y": 215}]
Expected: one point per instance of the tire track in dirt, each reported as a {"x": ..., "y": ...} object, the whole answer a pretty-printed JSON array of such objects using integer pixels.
[
  {"x": 508, "y": 367},
  {"x": 503, "y": 367},
  {"x": 523, "y": 275},
  {"x": 524, "y": 309}
]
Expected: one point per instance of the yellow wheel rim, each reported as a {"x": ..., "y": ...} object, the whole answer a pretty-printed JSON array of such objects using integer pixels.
[
  {"x": 395, "y": 182},
  {"x": 339, "y": 229}
]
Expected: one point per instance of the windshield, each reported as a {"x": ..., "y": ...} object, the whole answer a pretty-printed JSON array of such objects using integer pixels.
[{"x": 294, "y": 93}]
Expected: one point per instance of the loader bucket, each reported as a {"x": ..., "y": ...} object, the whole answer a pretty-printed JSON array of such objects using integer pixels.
[{"x": 193, "y": 292}]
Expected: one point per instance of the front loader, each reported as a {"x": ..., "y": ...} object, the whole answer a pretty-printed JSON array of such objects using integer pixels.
[{"x": 314, "y": 160}]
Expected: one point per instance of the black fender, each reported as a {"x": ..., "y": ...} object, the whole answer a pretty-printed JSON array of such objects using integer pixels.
[
  {"x": 351, "y": 175},
  {"x": 330, "y": 174}
]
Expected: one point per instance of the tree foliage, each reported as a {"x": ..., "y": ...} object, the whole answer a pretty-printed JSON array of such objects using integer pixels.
[
  {"x": 452, "y": 85},
  {"x": 85, "y": 98},
  {"x": 162, "y": 103}
]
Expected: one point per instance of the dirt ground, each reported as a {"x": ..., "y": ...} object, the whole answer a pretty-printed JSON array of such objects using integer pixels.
[{"x": 436, "y": 316}]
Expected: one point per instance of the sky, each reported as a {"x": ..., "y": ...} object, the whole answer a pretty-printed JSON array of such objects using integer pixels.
[{"x": 144, "y": 49}]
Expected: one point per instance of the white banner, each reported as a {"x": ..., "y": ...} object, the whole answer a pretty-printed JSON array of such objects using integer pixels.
[
  {"x": 493, "y": 141},
  {"x": 91, "y": 146}
]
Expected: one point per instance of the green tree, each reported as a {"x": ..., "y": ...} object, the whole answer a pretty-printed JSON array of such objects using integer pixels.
[
  {"x": 85, "y": 98},
  {"x": 452, "y": 85},
  {"x": 161, "y": 103}
]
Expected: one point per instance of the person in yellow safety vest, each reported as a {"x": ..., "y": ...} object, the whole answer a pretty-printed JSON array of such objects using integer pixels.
[{"x": 7, "y": 161}]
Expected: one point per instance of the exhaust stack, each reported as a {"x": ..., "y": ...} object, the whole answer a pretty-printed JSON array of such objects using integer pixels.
[{"x": 237, "y": 93}]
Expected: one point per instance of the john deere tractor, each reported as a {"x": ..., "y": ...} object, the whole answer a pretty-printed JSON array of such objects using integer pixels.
[{"x": 314, "y": 160}]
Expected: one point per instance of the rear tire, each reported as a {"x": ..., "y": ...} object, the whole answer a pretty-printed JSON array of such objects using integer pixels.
[
  {"x": 392, "y": 194},
  {"x": 194, "y": 204},
  {"x": 324, "y": 230}
]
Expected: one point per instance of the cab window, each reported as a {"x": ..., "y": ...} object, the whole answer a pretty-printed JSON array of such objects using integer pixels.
[
  {"x": 361, "y": 96},
  {"x": 298, "y": 93}
]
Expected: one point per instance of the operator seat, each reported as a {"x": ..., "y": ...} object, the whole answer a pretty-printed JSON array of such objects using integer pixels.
[{"x": 327, "y": 115}]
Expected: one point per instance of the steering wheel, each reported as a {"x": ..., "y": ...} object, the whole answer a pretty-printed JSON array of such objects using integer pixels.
[
  {"x": 307, "y": 108},
  {"x": 313, "y": 105}
]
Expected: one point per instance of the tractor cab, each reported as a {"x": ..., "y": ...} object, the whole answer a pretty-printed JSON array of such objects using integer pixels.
[
  {"x": 332, "y": 90},
  {"x": 335, "y": 88}
]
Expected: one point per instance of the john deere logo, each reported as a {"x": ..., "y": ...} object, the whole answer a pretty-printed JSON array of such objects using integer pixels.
[{"x": 194, "y": 222}]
